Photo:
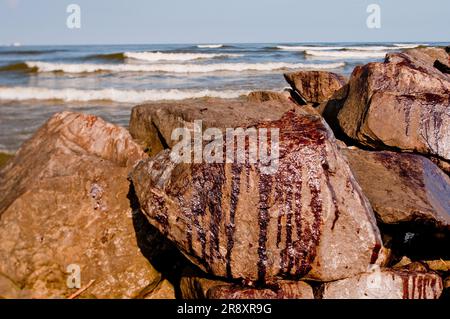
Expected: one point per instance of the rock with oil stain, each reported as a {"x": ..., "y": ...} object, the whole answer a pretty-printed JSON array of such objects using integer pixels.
[
  {"x": 386, "y": 284},
  {"x": 308, "y": 219},
  {"x": 315, "y": 87},
  {"x": 194, "y": 287},
  {"x": 64, "y": 201},
  {"x": 402, "y": 103},
  {"x": 402, "y": 188},
  {"x": 152, "y": 124}
]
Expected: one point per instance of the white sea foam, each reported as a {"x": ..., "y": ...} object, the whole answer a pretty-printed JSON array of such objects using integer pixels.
[
  {"x": 372, "y": 48},
  {"x": 347, "y": 54},
  {"x": 176, "y": 68},
  {"x": 164, "y": 56},
  {"x": 409, "y": 46},
  {"x": 304, "y": 48},
  {"x": 349, "y": 48},
  {"x": 209, "y": 46},
  {"x": 116, "y": 95}
]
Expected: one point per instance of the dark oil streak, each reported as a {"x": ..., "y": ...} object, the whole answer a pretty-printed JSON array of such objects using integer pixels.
[
  {"x": 161, "y": 215},
  {"x": 236, "y": 170},
  {"x": 285, "y": 183},
  {"x": 279, "y": 193},
  {"x": 217, "y": 177},
  {"x": 375, "y": 252},
  {"x": 289, "y": 250},
  {"x": 433, "y": 287},
  {"x": 299, "y": 252},
  {"x": 424, "y": 287},
  {"x": 405, "y": 279},
  {"x": 420, "y": 286},
  {"x": 316, "y": 208},
  {"x": 199, "y": 204},
  {"x": 296, "y": 133},
  {"x": 188, "y": 215},
  {"x": 265, "y": 189}
]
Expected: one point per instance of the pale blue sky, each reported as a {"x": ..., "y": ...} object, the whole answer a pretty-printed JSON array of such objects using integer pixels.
[{"x": 226, "y": 21}]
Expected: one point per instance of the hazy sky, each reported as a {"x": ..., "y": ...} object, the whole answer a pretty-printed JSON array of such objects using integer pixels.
[{"x": 213, "y": 21}]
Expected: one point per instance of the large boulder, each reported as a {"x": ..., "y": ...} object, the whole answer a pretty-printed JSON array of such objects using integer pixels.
[
  {"x": 152, "y": 124},
  {"x": 195, "y": 287},
  {"x": 315, "y": 87},
  {"x": 310, "y": 218},
  {"x": 64, "y": 207},
  {"x": 402, "y": 187},
  {"x": 279, "y": 290},
  {"x": 386, "y": 284},
  {"x": 403, "y": 103}
]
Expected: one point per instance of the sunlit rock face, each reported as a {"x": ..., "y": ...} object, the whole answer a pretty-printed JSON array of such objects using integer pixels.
[{"x": 309, "y": 218}]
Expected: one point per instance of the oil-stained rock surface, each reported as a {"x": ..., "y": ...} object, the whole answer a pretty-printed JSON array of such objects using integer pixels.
[
  {"x": 386, "y": 284},
  {"x": 315, "y": 87},
  {"x": 402, "y": 187},
  {"x": 193, "y": 287},
  {"x": 310, "y": 218},
  {"x": 152, "y": 124},
  {"x": 64, "y": 201},
  {"x": 402, "y": 103}
]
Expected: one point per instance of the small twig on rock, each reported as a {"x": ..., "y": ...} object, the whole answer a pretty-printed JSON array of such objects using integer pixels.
[{"x": 81, "y": 290}]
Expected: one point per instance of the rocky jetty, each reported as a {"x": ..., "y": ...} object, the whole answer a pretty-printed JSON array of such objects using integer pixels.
[{"x": 353, "y": 201}]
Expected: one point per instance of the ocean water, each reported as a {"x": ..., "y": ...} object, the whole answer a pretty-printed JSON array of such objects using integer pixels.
[{"x": 37, "y": 81}]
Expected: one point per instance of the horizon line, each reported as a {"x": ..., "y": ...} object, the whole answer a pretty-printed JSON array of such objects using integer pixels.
[{"x": 220, "y": 43}]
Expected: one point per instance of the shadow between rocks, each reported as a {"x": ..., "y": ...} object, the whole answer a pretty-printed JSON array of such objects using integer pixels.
[
  {"x": 418, "y": 241},
  {"x": 159, "y": 251}
]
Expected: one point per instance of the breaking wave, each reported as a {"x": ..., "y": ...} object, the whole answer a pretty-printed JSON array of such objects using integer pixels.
[
  {"x": 349, "y": 48},
  {"x": 114, "y": 95},
  {"x": 166, "y": 68},
  {"x": 18, "y": 67},
  {"x": 409, "y": 46},
  {"x": 347, "y": 54},
  {"x": 210, "y": 46},
  {"x": 160, "y": 56},
  {"x": 120, "y": 56},
  {"x": 304, "y": 48}
]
